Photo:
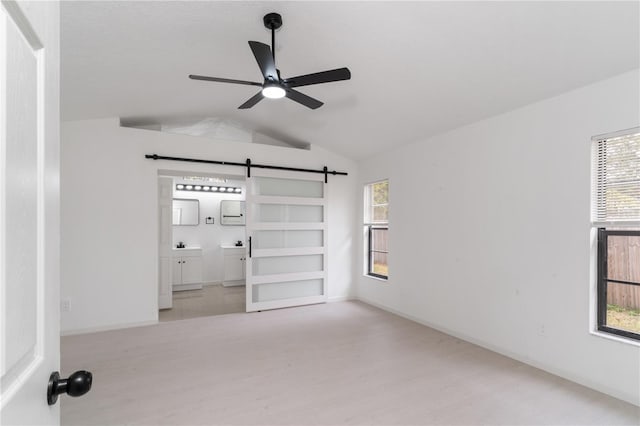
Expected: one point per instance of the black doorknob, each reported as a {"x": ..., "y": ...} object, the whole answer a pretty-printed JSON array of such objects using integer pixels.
[{"x": 77, "y": 384}]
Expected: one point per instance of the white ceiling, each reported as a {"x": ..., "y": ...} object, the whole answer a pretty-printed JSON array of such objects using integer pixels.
[{"x": 418, "y": 68}]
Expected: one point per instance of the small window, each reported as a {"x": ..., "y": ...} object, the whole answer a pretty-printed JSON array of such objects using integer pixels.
[
  {"x": 616, "y": 215},
  {"x": 376, "y": 227}
]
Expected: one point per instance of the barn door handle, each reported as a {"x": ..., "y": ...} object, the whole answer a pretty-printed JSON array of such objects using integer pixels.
[
  {"x": 77, "y": 384},
  {"x": 249, "y": 247}
]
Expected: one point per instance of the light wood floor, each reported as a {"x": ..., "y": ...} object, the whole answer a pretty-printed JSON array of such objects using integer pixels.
[
  {"x": 331, "y": 364},
  {"x": 208, "y": 301}
]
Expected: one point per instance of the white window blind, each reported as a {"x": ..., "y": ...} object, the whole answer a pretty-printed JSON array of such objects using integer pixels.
[{"x": 616, "y": 178}]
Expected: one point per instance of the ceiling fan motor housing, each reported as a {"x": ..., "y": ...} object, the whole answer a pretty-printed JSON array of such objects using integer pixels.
[{"x": 272, "y": 21}]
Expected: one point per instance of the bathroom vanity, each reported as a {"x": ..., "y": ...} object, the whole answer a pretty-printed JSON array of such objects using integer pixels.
[
  {"x": 234, "y": 259},
  {"x": 187, "y": 268}
]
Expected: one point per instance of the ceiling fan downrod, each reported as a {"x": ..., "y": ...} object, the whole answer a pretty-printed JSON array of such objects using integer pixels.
[{"x": 273, "y": 21}]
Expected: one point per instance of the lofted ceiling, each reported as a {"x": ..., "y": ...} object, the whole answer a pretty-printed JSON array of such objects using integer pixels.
[{"x": 418, "y": 68}]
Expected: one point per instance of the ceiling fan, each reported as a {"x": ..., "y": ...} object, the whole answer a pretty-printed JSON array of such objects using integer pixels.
[{"x": 274, "y": 86}]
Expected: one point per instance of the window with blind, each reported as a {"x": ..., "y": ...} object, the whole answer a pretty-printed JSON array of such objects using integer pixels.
[
  {"x": 376, "y": 228},
  {"x": 616, "y": 215}
]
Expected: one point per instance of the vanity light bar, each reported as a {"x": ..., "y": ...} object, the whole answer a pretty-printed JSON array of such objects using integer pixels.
[{"x": 208, "y": 188}]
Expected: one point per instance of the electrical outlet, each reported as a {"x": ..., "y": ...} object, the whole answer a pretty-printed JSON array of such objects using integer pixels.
[{"x": 65, "y": 305}]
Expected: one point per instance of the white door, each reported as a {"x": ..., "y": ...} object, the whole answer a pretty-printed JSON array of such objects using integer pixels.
[
  {"x": 166, "y": 269},
  {"x": 287, "y": 231},
  {"x": 29, "y": 211}
]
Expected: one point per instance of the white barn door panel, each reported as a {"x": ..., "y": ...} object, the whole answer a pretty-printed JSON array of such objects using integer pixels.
[{"x": 287, "y": 229}]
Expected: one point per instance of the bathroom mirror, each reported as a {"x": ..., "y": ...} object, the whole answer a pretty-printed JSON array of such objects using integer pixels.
[
  {"x": 232, "y": 212},
  {"x": 186, "y": 212}
]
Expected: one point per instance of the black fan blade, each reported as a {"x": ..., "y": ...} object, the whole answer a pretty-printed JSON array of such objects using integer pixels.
[
  {"x": 318, "y": 77},
  {"x": 251, "y": 102},
  {"x": 223, "y": 80},
  {"x": 303, "y": 99},
  {"x": 262, "y": 52}
]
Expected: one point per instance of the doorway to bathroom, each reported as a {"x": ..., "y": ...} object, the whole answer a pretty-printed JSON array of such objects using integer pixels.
[
  {"x": 285, "y": 260},
  {"x": 201, "y": 245}
]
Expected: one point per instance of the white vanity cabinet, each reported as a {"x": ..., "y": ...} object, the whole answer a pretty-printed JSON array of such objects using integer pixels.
[
  {"x": 234, "y": 265},
  {"x": 187, "y": 269}
]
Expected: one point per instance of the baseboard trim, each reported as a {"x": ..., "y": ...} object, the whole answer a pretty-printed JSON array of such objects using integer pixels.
[
  {"x": 186, "y": 287},
  {"x": 545, "y": 367},
  {"x": 88, "y": 330},
  {"x": 340, "y": 299}
]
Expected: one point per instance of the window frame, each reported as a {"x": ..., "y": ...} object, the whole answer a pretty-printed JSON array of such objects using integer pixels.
[
  {"x": 370, "y": 251},
  {"x": 369, "y": 225},
  {"x": 605, "y": 226},
  {"x": 603, "y": 280}
]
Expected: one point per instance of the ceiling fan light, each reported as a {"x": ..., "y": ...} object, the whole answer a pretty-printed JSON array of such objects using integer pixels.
[{"x": 273, "y": 92}]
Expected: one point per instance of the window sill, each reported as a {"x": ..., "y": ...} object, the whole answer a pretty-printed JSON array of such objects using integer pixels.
[
  {"x": 376, "y": 278},
  {"x": 616, "y": 338}
]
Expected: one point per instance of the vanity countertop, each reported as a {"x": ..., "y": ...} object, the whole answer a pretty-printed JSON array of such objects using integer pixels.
[
  {"x": 187, "y": 248},
  {"x": 230, "y": 246}
]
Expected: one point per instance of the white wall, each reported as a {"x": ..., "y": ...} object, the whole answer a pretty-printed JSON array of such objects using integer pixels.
[
  {"x": 110, "y": 218},
  {"x": 490, "y": 234},
  {"x": 209, "y": 237}
]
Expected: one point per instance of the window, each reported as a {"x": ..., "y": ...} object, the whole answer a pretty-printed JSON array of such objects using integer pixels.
[
  {"x": 616, "y": 216},
  {"x": 376, "y": 227}
]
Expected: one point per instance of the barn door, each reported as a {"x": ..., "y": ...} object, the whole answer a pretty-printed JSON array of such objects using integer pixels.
[
  {"x": 287, "y": 231},
  {"x": 29, "y": 211}
]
